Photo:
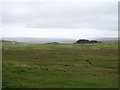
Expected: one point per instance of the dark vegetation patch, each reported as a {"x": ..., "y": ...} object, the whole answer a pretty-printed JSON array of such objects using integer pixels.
[
  {"x": 53, "y": 43},
  {"x": 35, "y": 58},
  {"x": 89, "y": 62},
  {"x": 84, "y": 41}
]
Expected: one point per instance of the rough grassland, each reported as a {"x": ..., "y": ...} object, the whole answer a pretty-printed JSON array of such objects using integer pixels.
[{"x": 60, "y": 65}]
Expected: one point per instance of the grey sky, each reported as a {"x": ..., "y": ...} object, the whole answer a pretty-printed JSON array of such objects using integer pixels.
[{"x": 53, "y": 19}]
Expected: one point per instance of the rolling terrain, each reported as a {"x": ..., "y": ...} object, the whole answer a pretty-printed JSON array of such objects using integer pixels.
[{"x": 54, "y": 65}]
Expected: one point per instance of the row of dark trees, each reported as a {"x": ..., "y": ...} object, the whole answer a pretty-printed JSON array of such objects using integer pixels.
[{"x": 86, "y": 41}]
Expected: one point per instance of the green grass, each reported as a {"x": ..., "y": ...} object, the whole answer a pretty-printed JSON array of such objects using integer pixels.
[{"x": 60, "y": 65}]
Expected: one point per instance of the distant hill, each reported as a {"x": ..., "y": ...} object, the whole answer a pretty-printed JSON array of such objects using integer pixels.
[{"x": 114, "y": 39}]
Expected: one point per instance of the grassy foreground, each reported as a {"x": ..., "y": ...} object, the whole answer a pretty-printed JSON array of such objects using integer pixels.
[{"x": 60, "y": 65}]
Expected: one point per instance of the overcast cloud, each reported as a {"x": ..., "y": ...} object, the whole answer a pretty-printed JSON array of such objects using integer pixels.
[{"x": 60, "y": 19}]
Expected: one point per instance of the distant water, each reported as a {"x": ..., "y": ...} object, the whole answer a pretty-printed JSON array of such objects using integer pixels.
[
  {"x": 48, "y": 40},
  {"x": 40, "y": 40}
]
